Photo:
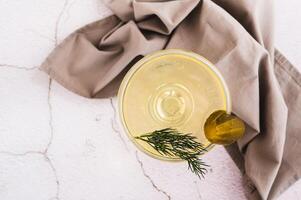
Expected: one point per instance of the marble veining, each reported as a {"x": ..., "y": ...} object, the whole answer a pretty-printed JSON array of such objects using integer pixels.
[{"x": 56, "y": 145}]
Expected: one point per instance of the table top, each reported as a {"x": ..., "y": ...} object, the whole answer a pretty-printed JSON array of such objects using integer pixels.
[{"x": 58, "y": 145}]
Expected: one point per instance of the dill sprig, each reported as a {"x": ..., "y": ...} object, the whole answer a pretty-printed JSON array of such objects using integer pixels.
[{"x": 172, "y": 143}]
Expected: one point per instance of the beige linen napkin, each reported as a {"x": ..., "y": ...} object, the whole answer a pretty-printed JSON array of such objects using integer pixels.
[{"x": 237, "y": 36}]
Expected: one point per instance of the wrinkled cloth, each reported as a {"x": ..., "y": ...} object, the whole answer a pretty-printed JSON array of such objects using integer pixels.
[{"x": 237, "y": 36}]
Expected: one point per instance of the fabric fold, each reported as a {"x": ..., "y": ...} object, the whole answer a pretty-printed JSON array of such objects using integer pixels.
[
  {"x": 149, "y": 14},
  {"x": 236, "y": 36}
]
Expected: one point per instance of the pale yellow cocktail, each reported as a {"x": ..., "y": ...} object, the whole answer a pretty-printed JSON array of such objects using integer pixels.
[{"x": 171, "y": 89}]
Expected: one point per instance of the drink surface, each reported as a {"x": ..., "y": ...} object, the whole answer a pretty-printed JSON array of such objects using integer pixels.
[{"x": 171, "y": 89}]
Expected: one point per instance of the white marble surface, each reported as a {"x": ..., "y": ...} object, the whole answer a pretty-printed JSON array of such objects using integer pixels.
[{"x": 57, "y": 145}]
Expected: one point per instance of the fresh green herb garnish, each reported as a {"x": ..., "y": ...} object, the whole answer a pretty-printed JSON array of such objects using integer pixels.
[{"x": 171, "y": 142}]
